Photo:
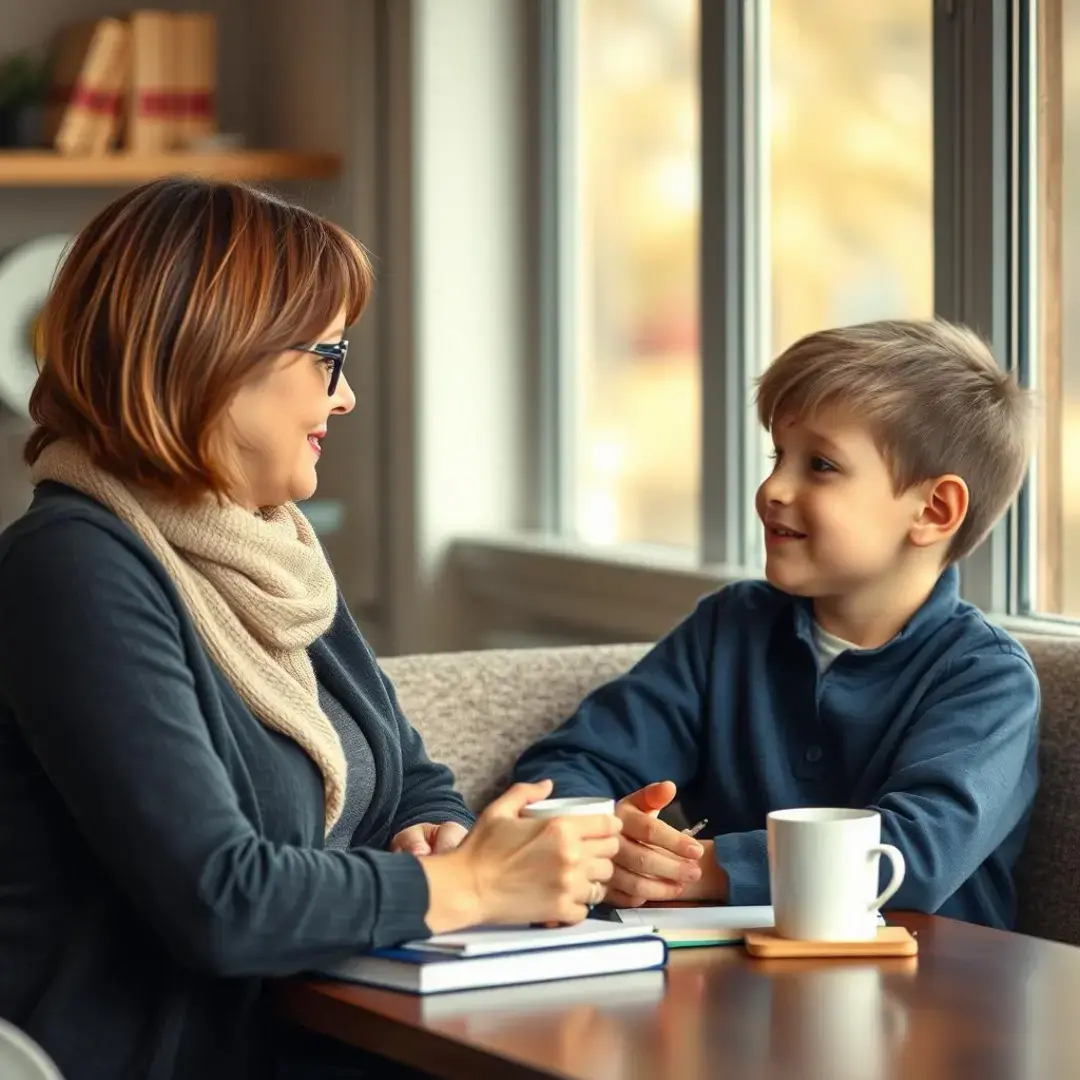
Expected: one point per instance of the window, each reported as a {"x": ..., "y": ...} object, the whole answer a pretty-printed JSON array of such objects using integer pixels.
[
  {"x": 850, "y": 129},
  {"x": 800, "y": 165},
  {"x": 845, "y": 113},
  {"x": 631, "y": 392}
]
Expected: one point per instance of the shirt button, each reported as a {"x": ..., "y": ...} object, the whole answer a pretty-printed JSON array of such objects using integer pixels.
[{"x": 813, "y": 755}]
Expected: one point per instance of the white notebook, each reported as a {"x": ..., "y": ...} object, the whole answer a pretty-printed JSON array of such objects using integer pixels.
[
  {"x": 487, "y": 940},
  {"x": 689, "y": 925}
]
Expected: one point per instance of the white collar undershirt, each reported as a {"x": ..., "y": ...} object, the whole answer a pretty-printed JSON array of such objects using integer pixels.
[{"x": 828, "y": 647}]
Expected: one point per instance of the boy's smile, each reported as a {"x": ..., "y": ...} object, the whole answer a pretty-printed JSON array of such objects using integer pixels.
[{"x": 777, "y": 533}]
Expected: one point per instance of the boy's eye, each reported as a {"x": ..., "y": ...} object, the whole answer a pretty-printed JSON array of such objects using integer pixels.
[{"x": 820, "y": 464}]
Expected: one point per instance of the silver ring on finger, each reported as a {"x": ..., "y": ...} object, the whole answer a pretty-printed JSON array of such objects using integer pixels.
[{"x": 596, "y": 894}]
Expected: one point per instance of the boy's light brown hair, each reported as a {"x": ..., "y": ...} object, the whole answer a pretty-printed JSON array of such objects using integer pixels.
[{"x": 933, "y": 397}]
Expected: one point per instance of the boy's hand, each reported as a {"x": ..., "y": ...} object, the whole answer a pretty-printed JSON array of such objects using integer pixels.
[
  {"x": 713, "y": 883},
  {"x": 654, "y": 861}
]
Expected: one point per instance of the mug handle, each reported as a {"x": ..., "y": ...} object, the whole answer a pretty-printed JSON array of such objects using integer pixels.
[{"x": 899, "y": 868}]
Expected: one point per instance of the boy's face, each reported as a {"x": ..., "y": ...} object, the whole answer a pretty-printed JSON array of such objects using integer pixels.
[{"x": 833, "y": 524}]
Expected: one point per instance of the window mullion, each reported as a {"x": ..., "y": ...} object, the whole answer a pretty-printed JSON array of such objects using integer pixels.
[
  {"x": 733, "y": 185},
  {"x": 973, "y": 196},
  {"x": 556, "y": 317}
]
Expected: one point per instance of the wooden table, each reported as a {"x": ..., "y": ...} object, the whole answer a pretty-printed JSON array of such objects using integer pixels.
[{"x": 975, "y": 1003}]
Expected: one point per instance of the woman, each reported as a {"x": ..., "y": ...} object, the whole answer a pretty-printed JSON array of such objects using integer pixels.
[{"x": 204, "y": 776}]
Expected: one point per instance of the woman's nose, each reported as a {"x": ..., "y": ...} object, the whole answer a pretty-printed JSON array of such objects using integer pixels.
[{"x": 344, "y": 400}]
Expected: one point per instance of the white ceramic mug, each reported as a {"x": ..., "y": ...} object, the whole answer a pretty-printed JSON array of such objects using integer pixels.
[
  {"x": 823, "y": 873},
  {"x": 570, "y": 807},
  {"x": 580, "y": 806}
]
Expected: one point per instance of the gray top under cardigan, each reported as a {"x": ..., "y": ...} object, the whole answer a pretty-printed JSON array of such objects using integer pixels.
[
  {"x": 161, "y": 850},
  {"x": 359, "y": 775}
]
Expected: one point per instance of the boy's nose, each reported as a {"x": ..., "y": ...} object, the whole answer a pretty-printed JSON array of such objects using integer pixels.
[{"x": 776, "y": 489}]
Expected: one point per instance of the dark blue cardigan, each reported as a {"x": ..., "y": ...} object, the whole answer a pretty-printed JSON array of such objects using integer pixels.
[{"x": 160, "y": 849}]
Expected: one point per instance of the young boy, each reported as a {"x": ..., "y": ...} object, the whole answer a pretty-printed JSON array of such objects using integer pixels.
[{"x": 855, "y": 676}]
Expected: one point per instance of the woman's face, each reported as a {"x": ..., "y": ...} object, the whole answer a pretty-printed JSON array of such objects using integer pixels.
[{"x": 277, "y": 423}]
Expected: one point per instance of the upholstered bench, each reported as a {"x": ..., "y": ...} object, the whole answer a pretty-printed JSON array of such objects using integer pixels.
[{"x": 477, "y": 711}]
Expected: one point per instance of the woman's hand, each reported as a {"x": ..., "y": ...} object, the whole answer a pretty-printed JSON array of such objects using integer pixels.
[
  {"x": 428, "y": 838},
  {"x": 511, "y": 869}
]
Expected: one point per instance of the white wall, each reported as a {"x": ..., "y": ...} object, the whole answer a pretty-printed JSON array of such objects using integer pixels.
[{"x": 456, "y": 264}]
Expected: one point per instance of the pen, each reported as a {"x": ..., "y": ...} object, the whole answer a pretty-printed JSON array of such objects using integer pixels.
[{"x": 697, "y": 828}]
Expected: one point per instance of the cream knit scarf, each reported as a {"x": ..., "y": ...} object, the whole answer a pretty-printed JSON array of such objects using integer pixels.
[{"x": 257, "y": 587}]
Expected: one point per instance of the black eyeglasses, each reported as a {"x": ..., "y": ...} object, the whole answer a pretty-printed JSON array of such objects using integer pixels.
[{"x": 335, "y": 354}]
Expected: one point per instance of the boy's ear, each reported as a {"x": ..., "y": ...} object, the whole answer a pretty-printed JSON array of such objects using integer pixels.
[{"x": 944, "y": 506}]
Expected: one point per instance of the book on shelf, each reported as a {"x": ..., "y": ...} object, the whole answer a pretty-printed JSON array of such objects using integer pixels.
[
  {"x": 150, "y": 83},
  {"x": 490, "y": 957},
  {"x": 67, "y": 54},
  {"x": 196, "y": 77},
  {"x": 89, "y": 119},
  {"x": 146, "y": 83}
]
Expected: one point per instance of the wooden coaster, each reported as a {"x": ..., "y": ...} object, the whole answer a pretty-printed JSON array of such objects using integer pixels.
[{"x": 890, "y": 941}]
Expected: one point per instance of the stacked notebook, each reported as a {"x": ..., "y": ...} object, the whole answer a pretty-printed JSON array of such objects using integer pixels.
[
  {"x": 503, "y": 956},
  {"x": 627, "y": 992}
]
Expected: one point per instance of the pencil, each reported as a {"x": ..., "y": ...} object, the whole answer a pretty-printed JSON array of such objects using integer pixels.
[{"x": 697, "y": 828}]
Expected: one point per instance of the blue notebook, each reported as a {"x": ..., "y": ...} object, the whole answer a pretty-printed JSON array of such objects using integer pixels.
[{"x": 524, "y": 955}]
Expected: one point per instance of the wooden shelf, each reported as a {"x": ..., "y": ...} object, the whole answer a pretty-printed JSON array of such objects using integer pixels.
[{"x": 44, "y": 168}]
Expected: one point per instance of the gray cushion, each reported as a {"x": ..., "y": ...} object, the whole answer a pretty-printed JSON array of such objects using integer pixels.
[
  {"x": 477, "y": 711},
  {"x": 1049, "y": 873}
]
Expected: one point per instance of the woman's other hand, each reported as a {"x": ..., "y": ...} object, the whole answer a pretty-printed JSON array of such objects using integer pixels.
[{"x": 429, "y": 838}]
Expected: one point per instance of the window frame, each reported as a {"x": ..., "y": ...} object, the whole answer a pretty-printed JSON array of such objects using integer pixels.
[
  {"x": 1044, "y": 113},
  {"x": 733, "y": 169}
]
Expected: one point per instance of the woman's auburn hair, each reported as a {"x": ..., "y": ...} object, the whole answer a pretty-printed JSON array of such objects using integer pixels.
[{"x": 166, "y": 303}]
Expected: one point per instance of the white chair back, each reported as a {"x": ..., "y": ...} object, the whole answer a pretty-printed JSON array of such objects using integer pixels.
[{"x": 21, "y": 1058}]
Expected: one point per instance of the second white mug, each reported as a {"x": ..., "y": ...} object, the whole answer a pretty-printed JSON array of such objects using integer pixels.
[
  {"x": 823, "y": 873},
  {"x": 569, "y": 807}
]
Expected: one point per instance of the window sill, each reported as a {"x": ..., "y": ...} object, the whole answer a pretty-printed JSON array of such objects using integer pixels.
[{"x": 624, "y": 594}]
